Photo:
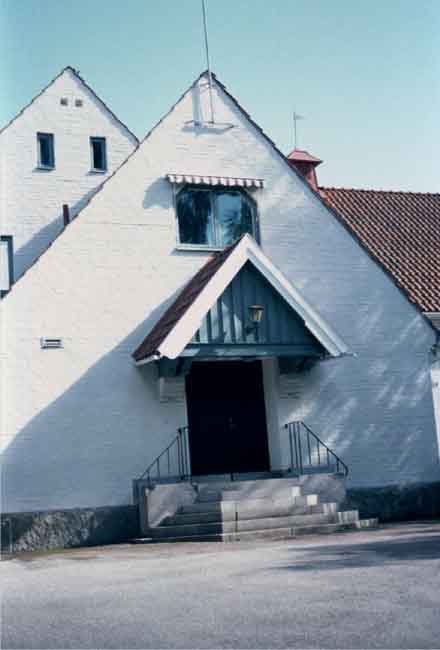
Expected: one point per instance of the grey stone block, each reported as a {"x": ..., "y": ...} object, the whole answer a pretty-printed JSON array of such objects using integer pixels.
[
  {"x": 29, "y": 531},
  {"x": 396, "y": 502},
  {"x": 328, "y": 487},
  {"x": 161, "y": 501}
]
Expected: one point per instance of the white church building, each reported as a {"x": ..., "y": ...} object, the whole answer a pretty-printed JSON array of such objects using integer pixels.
[{"x": 191, "y": 309}]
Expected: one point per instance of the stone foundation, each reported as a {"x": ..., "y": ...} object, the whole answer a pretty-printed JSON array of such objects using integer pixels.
[
  {"x": 29, "y": 531},
  {"x": 396, "y": 502}
]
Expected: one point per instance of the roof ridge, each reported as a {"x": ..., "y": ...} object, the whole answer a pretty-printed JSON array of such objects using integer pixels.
[
  {"x": 48, "y": 85},
  {"x": 84, "y": 83},
  {"x": 376, "y": 191},
  {"x": 106, "y": 180},
  {"x": 261, "y": 131}
]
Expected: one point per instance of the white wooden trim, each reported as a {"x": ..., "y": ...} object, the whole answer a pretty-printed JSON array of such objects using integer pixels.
[{"x": 248, "y": 250}]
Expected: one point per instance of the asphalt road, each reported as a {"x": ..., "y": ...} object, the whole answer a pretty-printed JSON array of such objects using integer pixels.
[{"x": 376, "y": 589}]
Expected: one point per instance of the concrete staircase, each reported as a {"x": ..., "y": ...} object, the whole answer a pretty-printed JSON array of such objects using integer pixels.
[{"x": 273, "y": 508}]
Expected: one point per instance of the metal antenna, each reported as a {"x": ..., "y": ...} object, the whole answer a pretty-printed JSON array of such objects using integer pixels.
[
  {"x": 296, "y": 117},
  {"x": 205, "y": 28}
]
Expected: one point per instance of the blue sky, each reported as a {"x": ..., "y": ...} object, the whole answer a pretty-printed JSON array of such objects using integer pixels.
[{"x": 365, "y": 74}]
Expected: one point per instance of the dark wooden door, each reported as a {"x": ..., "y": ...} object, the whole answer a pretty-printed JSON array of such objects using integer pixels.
[{"x": 226, "y": 418}]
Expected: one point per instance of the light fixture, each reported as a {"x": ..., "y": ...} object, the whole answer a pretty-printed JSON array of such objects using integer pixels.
[
  {"x": 255, "y": 316},
  {"x": 255, "y": 313}
]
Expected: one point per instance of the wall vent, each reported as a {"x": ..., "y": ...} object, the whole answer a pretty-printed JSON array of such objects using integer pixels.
[
  {"x": 51, "y": 343},
  {"x": 64, "y": 101},
  {"x": 78, "y": 102}
]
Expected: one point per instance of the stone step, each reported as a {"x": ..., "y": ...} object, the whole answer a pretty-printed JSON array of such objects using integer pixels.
[
  {"x": 269, "y": 533},
  {"x": 250, "y": 509},
  {"x": 307, "y": 500},
  {"x": 243, "y": 525},
  {"x": 238, "y": 495},
  {"x": 373, "y": 522},
  {"x": 248, "y": 504},
  {"x": 247, "y": 493},
  {"x": 259, "y": 488},
  {"x": 239, "y": 477}
]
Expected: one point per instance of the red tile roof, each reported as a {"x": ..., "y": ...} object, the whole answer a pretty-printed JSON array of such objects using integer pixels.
[
  {"x": 299, "y": 155},
  {"x": 182, "y": 303},
  {"x": 401, "y": 231}
]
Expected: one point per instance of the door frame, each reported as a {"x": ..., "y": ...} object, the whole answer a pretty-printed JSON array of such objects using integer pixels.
[
  {"x": 268, "y": 371},
  {"x": 271, "y": 400}
]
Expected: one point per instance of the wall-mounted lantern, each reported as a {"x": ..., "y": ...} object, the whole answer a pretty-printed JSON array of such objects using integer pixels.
[{"x": 255, "y": 316}]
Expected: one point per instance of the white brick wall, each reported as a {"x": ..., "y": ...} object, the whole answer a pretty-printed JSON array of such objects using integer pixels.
[
  {"x": 435, "y": 378},
  {"x": 31, "y": 199},
  {"x": 81, "y": 422}
]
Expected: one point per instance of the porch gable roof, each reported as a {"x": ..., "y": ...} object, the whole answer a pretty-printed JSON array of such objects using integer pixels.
[{"x": 176, "y": 327}]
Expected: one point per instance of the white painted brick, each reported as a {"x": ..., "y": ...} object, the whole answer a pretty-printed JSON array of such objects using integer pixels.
[
  {"x": 31, "y": 199},
  {"x": 81, "y": 422}
]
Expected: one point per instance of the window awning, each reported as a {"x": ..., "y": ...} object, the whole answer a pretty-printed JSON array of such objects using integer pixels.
[{"x": 223, "y": 181}]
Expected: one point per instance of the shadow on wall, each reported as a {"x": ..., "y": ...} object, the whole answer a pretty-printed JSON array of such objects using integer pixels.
[
  {"x": 159, "y": 188},
  {"x": 26, "y": 255},
  {"x": 375, "y": 412},
  {"x": 85, "y": 447}
]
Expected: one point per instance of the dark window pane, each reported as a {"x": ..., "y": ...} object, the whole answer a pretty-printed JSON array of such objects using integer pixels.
[
  {"x": 45, "y": 143},
  {"x": 194, "y": 213},
  {"x": 234, "y": 214},
  {"x": 98, "y": 154}
]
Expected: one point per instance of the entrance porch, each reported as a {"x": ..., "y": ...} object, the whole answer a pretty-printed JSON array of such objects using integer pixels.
[{"x": 235, "y": 313}]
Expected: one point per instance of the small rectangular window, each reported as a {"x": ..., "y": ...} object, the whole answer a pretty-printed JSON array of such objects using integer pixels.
[
  {"x": 99, "y": 154},
  {"x": 6, "y": 264},
  {"x": 46, "y": 151}
]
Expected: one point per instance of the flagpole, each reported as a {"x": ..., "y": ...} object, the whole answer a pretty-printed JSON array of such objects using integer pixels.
[
  {"x": 205, "y": 29},
  {"x": 294, "y": 130},
  {"x": 296, "y": 117}
]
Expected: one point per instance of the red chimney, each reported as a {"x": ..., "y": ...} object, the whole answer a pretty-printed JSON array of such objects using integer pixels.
[{"x": 305, "y": 164}]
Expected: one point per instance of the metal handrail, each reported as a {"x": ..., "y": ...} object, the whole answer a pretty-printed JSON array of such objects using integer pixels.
[
  {"x": 309, "y": 454},
  {"x": 172, "y": 462}
]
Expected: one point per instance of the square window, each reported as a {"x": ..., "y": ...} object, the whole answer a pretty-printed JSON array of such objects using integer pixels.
[
  {"x": 46, "y": 151},
  {"x": 214, "y": 218},
  {"x": 99, "y": 154}
]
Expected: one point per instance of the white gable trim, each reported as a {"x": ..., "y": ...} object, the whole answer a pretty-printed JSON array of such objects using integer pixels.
[
  {"x": 87, "y": 89},
  {"x": 247, "y": 250},
  {"x": 434, "y": 317}
]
